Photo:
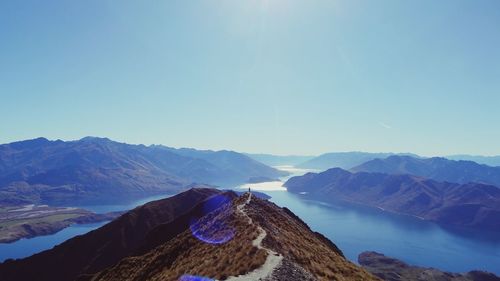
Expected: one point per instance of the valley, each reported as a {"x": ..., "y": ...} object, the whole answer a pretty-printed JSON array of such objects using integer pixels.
[
  {"x": 362, "y": 228},
  {"x": 257, "y": 140}
]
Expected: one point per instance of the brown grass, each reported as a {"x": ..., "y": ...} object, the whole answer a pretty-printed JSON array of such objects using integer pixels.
[
  {"x": 294, "y": 240},
  {"x": 185, "y": 254}
]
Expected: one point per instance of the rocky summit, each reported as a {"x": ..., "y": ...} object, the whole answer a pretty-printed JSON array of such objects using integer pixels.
[{"x": 391, "y": 269}]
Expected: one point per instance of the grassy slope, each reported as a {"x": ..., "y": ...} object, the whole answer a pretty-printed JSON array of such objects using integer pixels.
[{"x": 286, "y": 235}]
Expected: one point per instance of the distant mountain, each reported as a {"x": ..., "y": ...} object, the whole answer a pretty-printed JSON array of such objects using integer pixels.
[
  {"x": 344, "y": 160},
  {"x": 280, "y": 160},
  {"x": 493, "y": 161},
  {"x": 390, "y": 269},
  {"x": 237, "y": 166},
  {"x": 436, "y": 168},
  {"x": 92, "y": 169},
  {"x": 201, "y": 234},
  {"x": 465, "y": 205}
]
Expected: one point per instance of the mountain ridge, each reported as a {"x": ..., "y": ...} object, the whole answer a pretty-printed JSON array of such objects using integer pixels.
[
  {"x": 231, "y": 240},
  {"x": 91, "y": 169},
  {"x": 437, "y": 168},
  {"x": 128, "y": 234},
  {"x": 344, "y": 160},
  {"x": 280, "y": 160},
  {"x": 493, "y": 161},
  {"x": 284, "y": 233},
  {"x": 464, "y": 205}
]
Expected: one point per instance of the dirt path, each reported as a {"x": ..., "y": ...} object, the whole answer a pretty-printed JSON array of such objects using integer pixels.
[{"x": 273, "y": 259}]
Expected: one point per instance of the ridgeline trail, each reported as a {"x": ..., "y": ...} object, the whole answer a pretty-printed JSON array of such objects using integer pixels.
[{"x": 273, "y": 259}]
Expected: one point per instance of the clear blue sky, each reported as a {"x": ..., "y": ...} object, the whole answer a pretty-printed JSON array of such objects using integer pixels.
[{"x": 275, "y": 76}]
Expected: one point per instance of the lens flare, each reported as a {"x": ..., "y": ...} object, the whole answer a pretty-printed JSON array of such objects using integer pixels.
[
  {"x": 212, "y": 231},
  {"x": 215, "y": 233},
  {"x": 186, "y": 277},
  {"x": 214, "y": 203}
]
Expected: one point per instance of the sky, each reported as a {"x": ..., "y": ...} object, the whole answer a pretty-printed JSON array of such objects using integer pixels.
[{"x": 270, "y": 76}]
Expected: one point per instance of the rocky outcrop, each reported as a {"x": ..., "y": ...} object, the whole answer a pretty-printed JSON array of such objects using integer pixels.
[{"x": 390, "y": 269}]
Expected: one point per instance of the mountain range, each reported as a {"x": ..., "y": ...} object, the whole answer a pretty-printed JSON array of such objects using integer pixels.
[
  {"x": 200, "y": 234},
  {"x": 348, "y": 160},
  {"x": 344, "y": 160},
  {"x": 280, "y": 160},
  {"x": 437, "y": 168},
  {"x": 98, "y": 169},
  {"x": 466, "y": 205},
  {"x": 487, "y": 160}
]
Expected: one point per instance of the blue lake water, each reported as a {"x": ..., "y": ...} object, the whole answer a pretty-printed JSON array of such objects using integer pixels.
[
  {"x": 356, "y": 229},
  {"x": 27, "y": 247},
  {"x": 122, "y": 207},
  {"x": 353, "y": 228}
]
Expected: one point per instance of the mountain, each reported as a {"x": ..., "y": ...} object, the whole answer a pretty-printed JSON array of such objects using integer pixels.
[
  {"x": 98, "y": 169},
  {"x": 280, "y": 160},
  {"x": 465, "y": 205},
  {"x": 201, "y": 234},
  {"x": 237, "y": 166},
  {"x": 344, "y": 160},
  {"x": 391, "y": 269},
  {"x": 493, "y": 161},
  {"x": 436, "y": 168},
  {"x": 136, "y": 230}
]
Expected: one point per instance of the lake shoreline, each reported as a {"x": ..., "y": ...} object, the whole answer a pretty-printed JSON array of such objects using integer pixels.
[
  {"x": 29, "y": 221},
  {"x": 357, "y": 228}
]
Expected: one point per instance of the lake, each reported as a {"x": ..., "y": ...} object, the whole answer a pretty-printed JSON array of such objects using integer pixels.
[
  {"x": 100, "y": 209},
  {"x": 27, "y": 247},
  {"x": 353, "y": 228},
  {"x": 356, "y": 229}
]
